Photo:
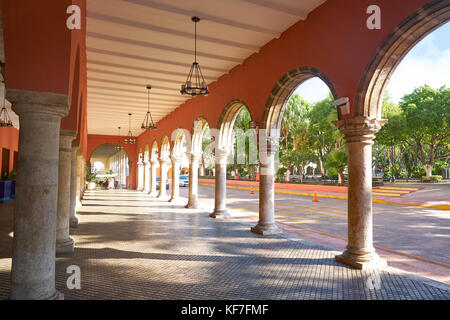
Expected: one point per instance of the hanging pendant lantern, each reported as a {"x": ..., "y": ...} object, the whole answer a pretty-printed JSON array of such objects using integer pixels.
[
  {"x": 5, "y": 120},
  {"x": 118, "y": 147},
  {"x": 148, "y": 123},
  {"x": 130, "y": 139},
  {"x": 195, "y": 84}
]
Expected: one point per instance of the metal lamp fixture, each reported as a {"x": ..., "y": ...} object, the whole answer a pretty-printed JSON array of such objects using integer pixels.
[
  {"x": 148, "y": 123},
  {"x": 195, "y": 84},
  {"x": 129, "y": 139},
  {"x": 5, "y": 120},
  {"x": 118, "y": 147}
]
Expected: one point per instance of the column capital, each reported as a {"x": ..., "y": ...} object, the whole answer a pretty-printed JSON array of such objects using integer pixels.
[
  {"x": 175, "y": 158},
  {"x": 221, "y": 155},
  {"x": 194, "y": 157},
  {"x": 360, "y": 128},
  {"x": 65, "y": 140},
  {"x": 25, "y": 103},
  {"x": 164, "y": 161}
]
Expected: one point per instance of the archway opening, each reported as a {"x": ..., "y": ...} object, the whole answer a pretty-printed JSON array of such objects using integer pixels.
[
  {"x": 109, "y": 167},
  {"x": 414, "y": 144}
]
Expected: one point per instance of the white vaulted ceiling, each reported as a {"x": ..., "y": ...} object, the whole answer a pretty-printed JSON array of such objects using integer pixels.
[{"x": 132, "y": 43}]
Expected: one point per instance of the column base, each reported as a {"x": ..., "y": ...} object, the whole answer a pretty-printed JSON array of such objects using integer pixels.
[
  {"x": 73, "y": 223},
  {"x": 27, "y": 293},
  {"x": 191, "y": 205},
  {"x": 64, "y": 247},
  {"x": 220, "y": 214},
  {"x": 266, "y": 230},
  {"x": 369, "y": 261}
]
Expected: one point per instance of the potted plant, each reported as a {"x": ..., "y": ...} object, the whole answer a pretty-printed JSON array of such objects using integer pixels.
[
  {"x": 12, "y": 177},
  {"x": 5, "y": 188},
  {"x": 90, "y": 177}
]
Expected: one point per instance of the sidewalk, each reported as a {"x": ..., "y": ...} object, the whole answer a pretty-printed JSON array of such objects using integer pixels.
[
  {"x": 415, "y": 195},
  {"x": 129, "y": 246}
]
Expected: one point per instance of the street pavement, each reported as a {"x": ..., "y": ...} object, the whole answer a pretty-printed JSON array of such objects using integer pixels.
[{"x": 412, "y": 237}]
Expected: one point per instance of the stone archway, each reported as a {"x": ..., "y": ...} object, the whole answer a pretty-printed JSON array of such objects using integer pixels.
[
  {"x": 223, "y": 149},
  {"x": 181, "y": 145},
  {"x": 164, "y": 164},
  {"x": 153, "y": 165},
  {"x": 114, "y": 156},
  {"x": 285, "y": 87},
  {"x": 140, "y": 173},
  {"x": 269, "y": 139},
  {"x": 198, "y": 129},
  {"x": 360, "y": 130},
  {"x": 391, "y": 52},
  {"x": 146, "y": 169}
]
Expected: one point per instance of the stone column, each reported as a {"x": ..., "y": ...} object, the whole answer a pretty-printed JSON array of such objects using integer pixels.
[
  {"x": 82, "y": 178},
  {"x": 163, "y": 164},
  {"x": 220, "y": 201},
  {"x": 146, "y": 176},
  {"x": 266, "y": 224},
  {"x": 73, "y": 186},
  {"x": 153, "y": 192},
  {"x": 193, "y": 181},
  {"x": 34, "y": 243},
  {"x": 359, "y": 134},
  {"x": 64, "y": 244},
  {"x": 176, "y": 161},
  {"x": 140, "y": 185},
  {"x": 79, "y": 180}
]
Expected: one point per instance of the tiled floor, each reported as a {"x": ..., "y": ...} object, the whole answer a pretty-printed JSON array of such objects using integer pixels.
[{"x": 131, "y": 247}]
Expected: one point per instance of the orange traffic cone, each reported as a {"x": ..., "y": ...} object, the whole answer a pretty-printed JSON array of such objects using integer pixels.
[
  {"x": 315, "y": 197},
  {"x": 251, "y": 190}
]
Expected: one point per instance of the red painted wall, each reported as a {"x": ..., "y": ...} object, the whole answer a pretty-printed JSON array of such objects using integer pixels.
[
  {"x": 9, "y": 139},
  {"x": 43, "y": 55},
  {"x": 94, "y": 140},
  {"x": 334, "y": 39}
]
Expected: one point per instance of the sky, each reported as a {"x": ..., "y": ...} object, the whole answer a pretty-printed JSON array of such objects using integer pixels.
[{"x": 427, "y": 63}]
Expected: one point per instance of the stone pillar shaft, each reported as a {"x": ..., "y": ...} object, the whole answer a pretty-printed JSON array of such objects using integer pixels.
[
  {"x": 359, "y": 133},
  {"x": 79, "y": 180},
  {"x": 163, "y": 163},
  {"x": 140, "y": 185},
  {"x": 176, "y": 161},
  {"x": 266, "y": 224},
  {"x": 220, "y": 199},
  {"x": 146, "y": 176},
  {"x": 33, "y": 256},
  {"x": 73, "y": 187},
  {"x": 193, "y": 181},
  {"x": 64, "y": 244},
  {"x": 153, "y": 168}
]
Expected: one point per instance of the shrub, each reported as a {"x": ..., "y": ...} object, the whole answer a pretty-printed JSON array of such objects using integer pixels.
[{"x": 432, "y": 178}]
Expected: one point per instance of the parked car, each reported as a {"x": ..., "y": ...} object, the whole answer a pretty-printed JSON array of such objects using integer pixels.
[
  {"x": 157, "y": 183},
  {"x": 184, "y": 181}
]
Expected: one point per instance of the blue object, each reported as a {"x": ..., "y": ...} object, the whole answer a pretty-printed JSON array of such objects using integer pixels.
[
  {"x": 13, "y": 188},
  {"x": 5, "y": 191}
]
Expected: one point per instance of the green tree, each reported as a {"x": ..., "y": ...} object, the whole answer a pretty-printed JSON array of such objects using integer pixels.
[
  {"x": 426, "y": 116},
  {"x": 337, "y": 160},
  {"x": 388, "y": 136},
  {"x": 324, "y": 135}
]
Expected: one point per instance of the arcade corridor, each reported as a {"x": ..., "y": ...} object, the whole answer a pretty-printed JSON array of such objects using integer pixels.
[{"x": 133, "y": 247}]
